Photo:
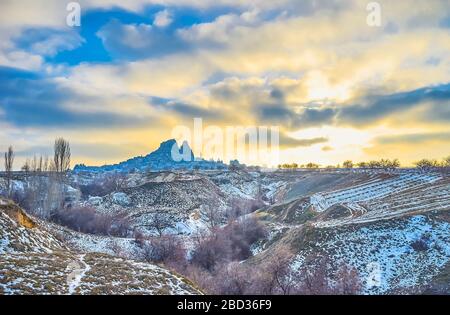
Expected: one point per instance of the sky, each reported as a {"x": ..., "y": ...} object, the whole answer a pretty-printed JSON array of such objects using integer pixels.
[{"x": 336, "y": 86}]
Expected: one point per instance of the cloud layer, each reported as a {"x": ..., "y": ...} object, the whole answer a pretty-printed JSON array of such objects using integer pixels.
[{"x": 335, "y": 86}]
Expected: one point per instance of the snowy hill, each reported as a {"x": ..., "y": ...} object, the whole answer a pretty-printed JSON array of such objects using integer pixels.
[
  {"x": 33, "y": 261},
  {"x": 396, "y": 226},
  {"x": 20, "y": 233}
]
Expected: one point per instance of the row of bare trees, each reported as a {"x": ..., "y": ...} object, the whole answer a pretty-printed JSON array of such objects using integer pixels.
[
  {"x": 348, "y": 164},
  {"x": 60, "y": 163},
  {"x": 293, "y": 166},
  {"x": 41, "y": 195},
  {"x": 386, "y": 164},
  {"x": 427, "y": 164}
]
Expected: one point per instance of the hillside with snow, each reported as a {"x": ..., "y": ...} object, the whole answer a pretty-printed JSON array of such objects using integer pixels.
[
  {"x": 394, "y": 227},
  {"x": 34, "y": 261}
]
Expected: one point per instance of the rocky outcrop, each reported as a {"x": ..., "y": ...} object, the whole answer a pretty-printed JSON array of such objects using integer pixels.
[{"x": 168, "y": 156}]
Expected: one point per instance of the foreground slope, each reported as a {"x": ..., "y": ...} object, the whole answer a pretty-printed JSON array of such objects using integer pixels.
[{"x": 33, "y": 261}]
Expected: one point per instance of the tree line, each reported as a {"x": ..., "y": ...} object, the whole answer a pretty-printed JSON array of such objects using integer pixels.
[
  {"x": 59, "y": 164},
  {"x": 386, "y": 164},
  {"x": 41, "y": 196}
]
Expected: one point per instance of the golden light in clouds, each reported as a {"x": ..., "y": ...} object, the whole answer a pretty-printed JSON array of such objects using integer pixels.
[{"x": 313, "y": 68}]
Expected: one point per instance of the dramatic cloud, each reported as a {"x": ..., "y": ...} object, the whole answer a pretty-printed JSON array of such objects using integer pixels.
[
  {"x": 288, "y": 142},
  {"x": 48, "y": 42},
  {"x": 137, "y": 41},
  {"x": 382, "y": 106},
  {"x": 336, "y": 86},
  {"x": 28, "y": 100},
  {"x": 417, "y": 138}
]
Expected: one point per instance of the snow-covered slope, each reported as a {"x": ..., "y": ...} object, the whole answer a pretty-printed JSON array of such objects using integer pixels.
[
  {"x": 68, "y": 273},
  {"x": 33, "y": 261},
  {"x": 392, "y": 227},
  {"x": 376, "y": 188},
  {"x": 21, "y": 233},
  {"x": 180, "y": 200},
  {"x": 404, "y": 254}
]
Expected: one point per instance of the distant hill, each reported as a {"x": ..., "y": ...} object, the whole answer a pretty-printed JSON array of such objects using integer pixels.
[{"x": 161, "y": 159}]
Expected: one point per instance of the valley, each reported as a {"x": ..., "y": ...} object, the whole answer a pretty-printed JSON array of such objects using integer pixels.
[{"x": 397, "y": 221}]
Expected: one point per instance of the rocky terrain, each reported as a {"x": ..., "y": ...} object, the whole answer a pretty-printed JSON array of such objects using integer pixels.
[
  {"x": 34, "y": 261},
  {"x": 392, "y": 226},
  {"x": 168, "y": 156}
]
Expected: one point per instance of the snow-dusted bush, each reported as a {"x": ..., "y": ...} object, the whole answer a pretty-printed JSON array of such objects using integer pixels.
[
  {"x": 103, "y": 186},
  {"x": 88, "y": 220},
  {"x": 229, "y": 243},
  {"x": 167, "y": 249}
]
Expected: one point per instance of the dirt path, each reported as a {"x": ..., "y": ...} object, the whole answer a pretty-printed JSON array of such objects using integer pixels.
[{"x": 79, "y": 269}]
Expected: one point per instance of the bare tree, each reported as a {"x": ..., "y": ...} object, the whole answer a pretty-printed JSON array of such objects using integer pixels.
[
  {"x": 348, "y": 164},
  {"x": 213, "y": 214},
  {"x": 426, "y": 165},
  {"x": 62, "y": 155},
  {"x": 446, "y": 161},
  {"x": 280, "y": 277},
  {"x": 232, "y": 278},
  {"x": 348, "y": 281},
  {"x": 118, "y": 181},
  {"x": 314, "y": 273},
  {"x": 9, "y": 161},
  {"x": 167, "y": 249},
  {"x": 160, "y": 223}
]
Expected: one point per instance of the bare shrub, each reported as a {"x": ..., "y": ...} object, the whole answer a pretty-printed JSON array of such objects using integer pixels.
[
  {"x": 168, "y": 250},
  {"x": 211, "y": 250},
  {"x": 160, "y": 222},
  {"x": 83, "y": 219},
  {"x": 103, "y": 186},
  {"x": 139, "y": 238},
  {"x": 348, "y": 281},
  {"x": 272, "y": 276},
  {"x": 213, "y": 215},
  {"x": 275, "y": 275},
  {"x": 229, "y": 243},
  {"x": 203, "y": 278},
  {"x": 316, "y": 278},
  {"x": 242, "y": 234},
  {"x": 88, "y": 220},
  {"x": 120, "y": 225},
  {"x": 420, "y": 245},
  {"x": 240, "y": 207},
  {"x": 231, "y": 279}
]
